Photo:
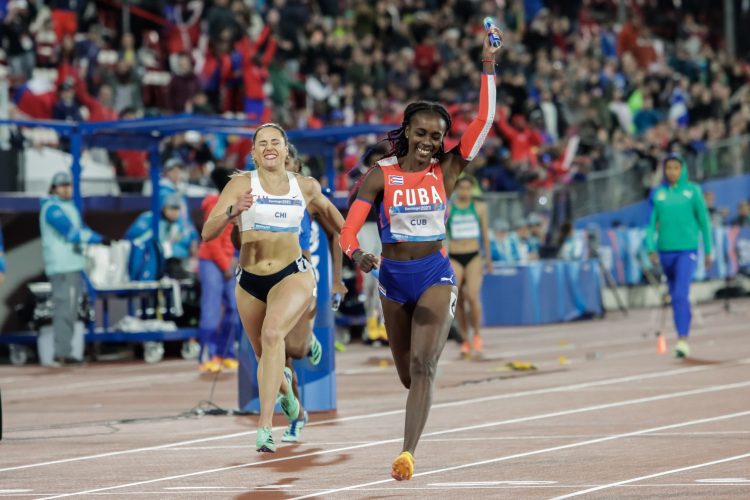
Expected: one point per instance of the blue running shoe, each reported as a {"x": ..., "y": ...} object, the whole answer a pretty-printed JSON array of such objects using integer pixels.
[{"x": 291, "y": 434}]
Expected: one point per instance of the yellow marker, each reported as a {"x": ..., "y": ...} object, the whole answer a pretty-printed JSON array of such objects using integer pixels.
[
  {"x": 563, "y": 341},
  {"x": 383, "y": 363},
  {"x": 563, "y": 360}
]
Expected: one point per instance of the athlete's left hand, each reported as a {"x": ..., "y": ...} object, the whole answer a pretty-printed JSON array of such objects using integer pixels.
[
  {"x": 488, "y": 51},
  {"x": 707, "y": 262},
  {"x": 490, "y": 266}
]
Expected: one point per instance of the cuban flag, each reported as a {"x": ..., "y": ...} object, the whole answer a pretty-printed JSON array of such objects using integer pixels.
[{"x": 396, "y": 180}]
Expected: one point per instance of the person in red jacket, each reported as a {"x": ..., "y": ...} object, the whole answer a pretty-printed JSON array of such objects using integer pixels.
[
  {"x": 522, "y": 138},
  {"x": 217, "y": 328}
]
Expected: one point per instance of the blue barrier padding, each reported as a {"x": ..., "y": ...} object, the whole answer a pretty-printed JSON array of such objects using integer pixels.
[
  {"x": 317, "y": 384},
  {"x": 541, "y": 292}
]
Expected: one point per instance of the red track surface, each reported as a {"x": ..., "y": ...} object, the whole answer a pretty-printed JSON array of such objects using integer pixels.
[{"x": 603, "y": 416}]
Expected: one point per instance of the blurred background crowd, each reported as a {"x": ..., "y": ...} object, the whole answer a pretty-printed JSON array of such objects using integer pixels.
[{"x": 583, "y": 86}]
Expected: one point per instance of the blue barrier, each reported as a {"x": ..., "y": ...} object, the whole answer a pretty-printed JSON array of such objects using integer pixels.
[
  {"x": 541, "y": 292},
  {"x": 317, "y": 384}
]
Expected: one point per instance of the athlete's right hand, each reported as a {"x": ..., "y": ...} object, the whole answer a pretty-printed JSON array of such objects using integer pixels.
[
  {"x": 366, "y": 261},
  {"x": 244, "y": 202}
]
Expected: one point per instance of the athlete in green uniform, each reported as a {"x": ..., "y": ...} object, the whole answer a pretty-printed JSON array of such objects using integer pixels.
[{"x": 467, "y": 228}]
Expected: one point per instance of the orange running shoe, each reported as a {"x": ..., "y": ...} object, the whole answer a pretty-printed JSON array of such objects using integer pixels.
[
  {"x": 465, "y": 347},
  {"x": 403, "y": 467},
  {"x": 477, "y": 343}
]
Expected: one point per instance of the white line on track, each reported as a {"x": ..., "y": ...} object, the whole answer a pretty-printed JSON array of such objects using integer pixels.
[
  {"x": 161, "y": 493},
  {"x": 518, "y": 437},
  {"x": 368, "y": 416},
  {"x": 650, "y": 476},
  {"x": 550, "y": 450},
  {"x": 618, "y": 404}
]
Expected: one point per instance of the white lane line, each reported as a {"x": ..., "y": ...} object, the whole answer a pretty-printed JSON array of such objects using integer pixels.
[
  {"x": 725, "y": 480},
  {"x": 156, "y": 494},
  {"x": 367, "y": 416},
  {"x": 545, "y": 450},
  {"x": 650, "y": 476},
  {"x": 519, "y": 437},
  {"x": 204, "y": 488},
  {"x": 475, "y": 484},
  {"x": 452, "y": 430}
]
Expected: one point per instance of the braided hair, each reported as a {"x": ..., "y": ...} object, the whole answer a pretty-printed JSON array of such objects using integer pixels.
[
  {"x": 397, "y": 138},
  {"x": 396, "y": 143}
]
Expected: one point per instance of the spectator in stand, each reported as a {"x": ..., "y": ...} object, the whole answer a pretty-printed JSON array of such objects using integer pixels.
[
  {"x": 743, "y": 214},
  {"x": 174, "y": 236},
  {"x": 183, "y": 85},
  {"x": 65, "y": 16},
  {"x": 503, "y": 247},
  {"x": 171, "y": 187},
  {"x": 131, "y": 165},
  {"x": 528, "y": 247},
  {"x": 63, "y": 237},
  {"x": 16, "y": 39},
  {"x": 126, "y": 86},
  {"x": 522, "y": 138},
  {"x": 67, "y": 108},
  {"x": 100, "y": 108}
]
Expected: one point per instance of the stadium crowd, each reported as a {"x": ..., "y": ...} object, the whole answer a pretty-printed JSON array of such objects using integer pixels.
[{"x": 578, "y": 91}]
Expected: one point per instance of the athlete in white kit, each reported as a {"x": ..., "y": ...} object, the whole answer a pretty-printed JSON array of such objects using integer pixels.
[{"x": 275, "y": 283}]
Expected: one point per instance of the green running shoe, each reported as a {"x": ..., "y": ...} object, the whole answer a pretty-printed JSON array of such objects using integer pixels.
[
  {"x": 682, "y": 349},
  {"x": 264, "y": 441},
  {"x": 289, "y": 404},
  {"x": 315, "y": 354},
  {"x": 291, "y": 434}
]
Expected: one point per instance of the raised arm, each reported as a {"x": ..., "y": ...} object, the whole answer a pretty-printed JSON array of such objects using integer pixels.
[{"x": 473, "y": 137}]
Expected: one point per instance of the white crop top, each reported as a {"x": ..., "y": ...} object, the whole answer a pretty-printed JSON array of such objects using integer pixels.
[{"x": 278, "y": 214}]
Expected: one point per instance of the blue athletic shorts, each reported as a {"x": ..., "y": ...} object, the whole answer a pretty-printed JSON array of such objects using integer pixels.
[{"x": 404, "y": 281}]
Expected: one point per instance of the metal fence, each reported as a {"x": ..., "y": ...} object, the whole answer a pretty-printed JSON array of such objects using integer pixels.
[{"x": 627, "y": 182}]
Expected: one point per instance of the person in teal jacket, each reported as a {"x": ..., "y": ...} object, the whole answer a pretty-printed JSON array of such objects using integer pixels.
[
  {"x": 678, "y": 214},
  {"x": 63, "y": 236},
  {"x": 174, "y": 236}
]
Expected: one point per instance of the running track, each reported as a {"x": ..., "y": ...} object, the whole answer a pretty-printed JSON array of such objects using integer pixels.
[{"x": 603, "y": 416}]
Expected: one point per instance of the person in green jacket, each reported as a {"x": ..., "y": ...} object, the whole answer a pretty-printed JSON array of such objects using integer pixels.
[{"x": 678, "y": 214}]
